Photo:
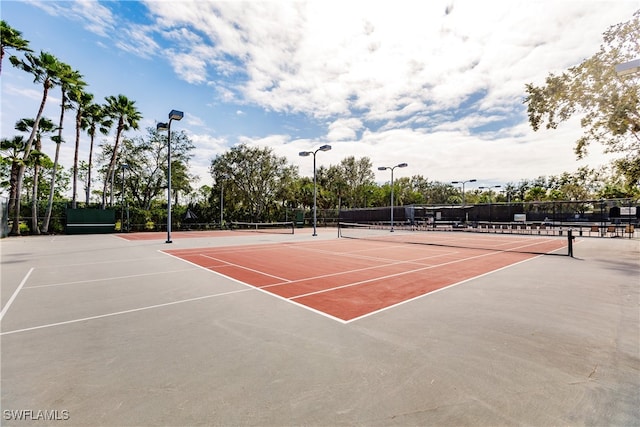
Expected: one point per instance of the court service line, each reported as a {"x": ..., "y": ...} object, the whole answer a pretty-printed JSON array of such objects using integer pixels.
[
  {"x": 245, "y": 268},
  {"x": 358, "y": 270},
  {"x": 391, "y": 276},
  {"x": 15, "y": 293},
  {"x": 355, "y": 255},
  {"x": 111, "y": 261},
  {"x": 106, "y": 279},
  {"x": 118, "y": 313}
]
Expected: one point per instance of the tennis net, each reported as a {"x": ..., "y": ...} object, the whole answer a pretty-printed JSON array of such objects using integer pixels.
[
  {"x": 539, "y": 245},
  {"x": 285, "y": 227}
]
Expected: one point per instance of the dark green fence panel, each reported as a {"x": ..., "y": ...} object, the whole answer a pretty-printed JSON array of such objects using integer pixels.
[{"x": 90, "y": 221}]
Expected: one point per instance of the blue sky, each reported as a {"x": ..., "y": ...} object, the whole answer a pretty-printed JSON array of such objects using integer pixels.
[{"x": 436, "y": 84}]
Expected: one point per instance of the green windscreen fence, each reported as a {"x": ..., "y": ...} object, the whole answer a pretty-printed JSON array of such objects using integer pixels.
[{"x": 90, "y": 221}]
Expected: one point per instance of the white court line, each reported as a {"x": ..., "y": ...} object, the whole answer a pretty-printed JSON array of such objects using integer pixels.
[
  {"x": 392, "y": 275},
  {"x": 355, "y": 254},
  {"x": 245, "y": 268},
  {"x": 327, "y": 315},
  {"x": 15, "y": 294},
  {"x": 357, "y": 270},
  {"x": 118, "y": 313},
  {"x": 106, "y": 279},
  {"x": 437, "y": 290}
]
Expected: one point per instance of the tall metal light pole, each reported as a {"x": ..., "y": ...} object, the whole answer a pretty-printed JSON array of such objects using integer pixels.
[
  {"x": 383, "y": 168},
  {"x": 221, "y": 182},
  {"x": 463, "y": 183},
  {"x": 123, "y": 166},
  {"x": 489, "y": 188},
  {"x": 173, "y": 115},
  {"x": 464, "y": 202},
  {"x": 325, "y": 147}
]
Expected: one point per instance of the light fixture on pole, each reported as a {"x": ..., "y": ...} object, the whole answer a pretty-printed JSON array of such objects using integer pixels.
[
  {"x": 489, "y": 188},
  {"x": 325, "y": 147},
  {"x": 173, "y": 115},
  {"x": 463, "y": 183},
  {"x": 383, "y": 168}
]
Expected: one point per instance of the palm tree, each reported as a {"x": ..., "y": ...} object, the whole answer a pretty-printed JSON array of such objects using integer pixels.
[
  {"x": 95, "y": 119},
  {"x": 45, "y": 69},
  {"x": 35, "y": 160},
  {"x": 69, "y": 78},
  {"x": 10, "y": 38},
  {"x": 11, "y": 150},
  {"x": 82, "y": 100},
  {"x": 123, "y": 110}
]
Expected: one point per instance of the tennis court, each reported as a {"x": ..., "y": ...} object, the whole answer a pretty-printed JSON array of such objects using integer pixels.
[
  {"x": 272, "y": 329},
  {"x": 346, "y": 279}
]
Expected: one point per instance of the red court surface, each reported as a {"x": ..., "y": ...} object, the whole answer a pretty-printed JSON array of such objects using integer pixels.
[{"x": 348, "y": 279}]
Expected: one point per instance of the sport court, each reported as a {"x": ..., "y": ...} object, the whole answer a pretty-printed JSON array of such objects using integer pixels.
[
  {"x": 346, "y": 279},
  {"x": 135, "y": 331}
]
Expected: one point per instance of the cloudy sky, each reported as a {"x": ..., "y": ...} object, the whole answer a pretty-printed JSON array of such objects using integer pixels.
[{"x": 436, "y": 84}]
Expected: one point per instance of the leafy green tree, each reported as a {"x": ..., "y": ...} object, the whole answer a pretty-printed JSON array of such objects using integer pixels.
[
  {"x": 606, "y": 102},
  {"x": 335, "y": 181},
  {"x": 357, "y": 175},
  {"x": 255, "y": 177},
  {"x": 10, "y": 38},
  {"x": 147, "y": 161},
  {"x": 46, "y": 69},
  {"x": 126, "y": 114},
  {"x": 10, "y": 160},
  {"x": 535, "y": 194}
]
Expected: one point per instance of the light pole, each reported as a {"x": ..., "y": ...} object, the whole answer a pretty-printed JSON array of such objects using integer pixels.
[
  {"x": 173, "y": 115},
  {"x": 325, "y": 147},
  {"x": 463, "y": 183},
  {"x": 383, "y": 168},
  {"x": 221, "y": 182},
  {"x": 123, "y": 166},
  {"x": 489, "y": 188},
  {"x": 464, "y": 202}
]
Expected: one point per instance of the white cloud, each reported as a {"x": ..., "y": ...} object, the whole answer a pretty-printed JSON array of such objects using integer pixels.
[
  {"x": 137, "y": 40},
  {"x": 94, "y": 17},
  {"x": 404, "y": 81},
  {"x": 344, "y": 129},
  {"x": 389, "y": 60}
]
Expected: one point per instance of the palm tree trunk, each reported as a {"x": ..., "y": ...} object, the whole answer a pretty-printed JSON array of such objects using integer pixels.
[
  {"x": 34, "y": 193},
  {"x": 89, "y": 171},
  {"x": 112, "y": 164},
  {"x": 47, "y": 215},
  {"x": 75, "y": 159},
  {"x": 15, "y": 227}
]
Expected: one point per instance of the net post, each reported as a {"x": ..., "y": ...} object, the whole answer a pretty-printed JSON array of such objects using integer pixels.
[{"x": 570, "y": 239}]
